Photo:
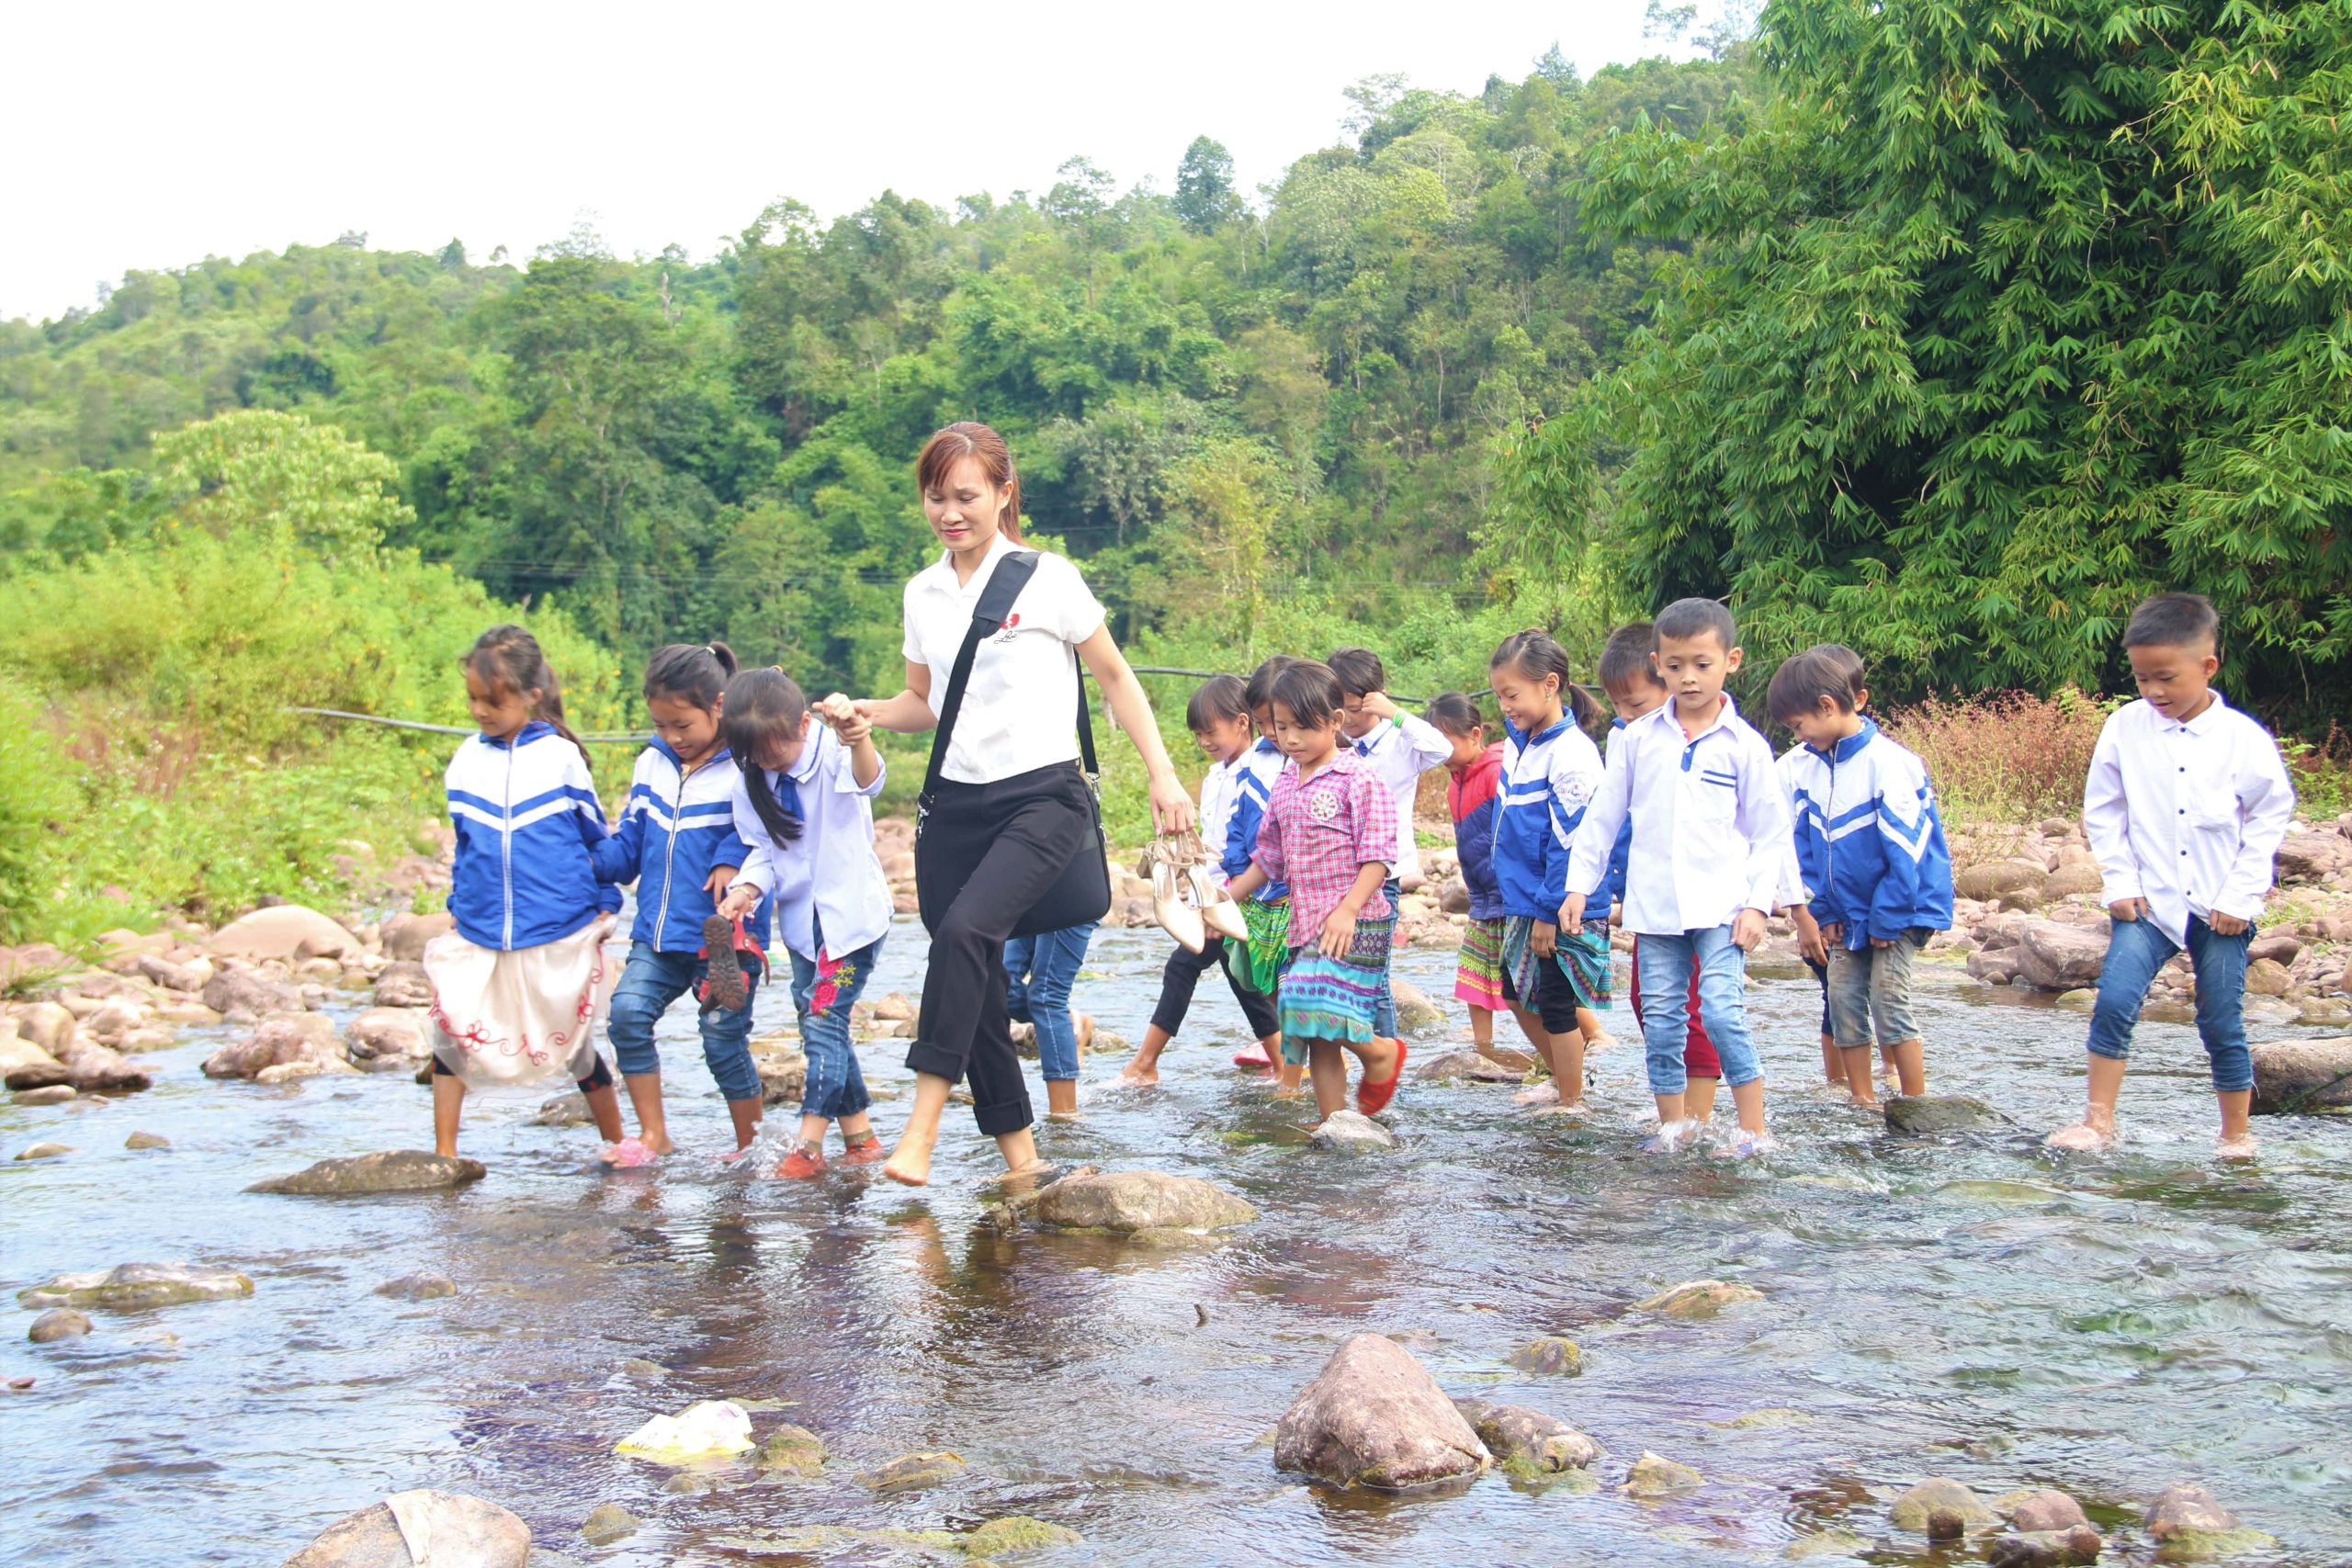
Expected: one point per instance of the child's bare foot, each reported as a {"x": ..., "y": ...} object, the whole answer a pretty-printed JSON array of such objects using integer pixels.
[
  {"x": 660, "y": 1146},
  {"x": 1134, "y": 1075},
  {"x": 1599, "y": 1043},
  {"x": 1561, "y": 1108},
  {"x": 2086, "y": 1137},
  {"x": 1288, "y": 1090},
  {"x": 2242, "y": 1148},
  {"x": 1542, "y": 1094},
  {"x": 1864, "y": 1102},
  {"x": 909, "y": 1163}
]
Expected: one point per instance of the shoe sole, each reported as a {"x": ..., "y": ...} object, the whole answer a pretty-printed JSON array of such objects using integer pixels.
[{"x": 726, "y": 981}]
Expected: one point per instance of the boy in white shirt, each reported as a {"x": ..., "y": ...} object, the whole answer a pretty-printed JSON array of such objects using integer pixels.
[
  {"x": 2185, "y": 805},
  {"x": 1399, "y": 747},
  {"x": 1710, "y": 847}
]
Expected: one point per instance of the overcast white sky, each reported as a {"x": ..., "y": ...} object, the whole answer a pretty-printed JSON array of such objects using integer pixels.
[{"x": 145, "y": 136}]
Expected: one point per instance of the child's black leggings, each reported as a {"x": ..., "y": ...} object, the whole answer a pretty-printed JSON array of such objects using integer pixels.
[
  {"x": 601, "y": 1079},
  {"x": 1184, "y": 972}
]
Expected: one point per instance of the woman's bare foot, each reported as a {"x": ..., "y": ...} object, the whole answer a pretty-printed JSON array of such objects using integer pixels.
[
  {"x": 2086, "y": 1136},
  {"x": 1136, "y": 1075},
  {"x": 909, "y": 1163},
  {"x": 2242, "y": 1148}
]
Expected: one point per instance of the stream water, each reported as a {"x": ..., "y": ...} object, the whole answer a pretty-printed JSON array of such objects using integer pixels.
[{"x": 1965, "y": 1307}]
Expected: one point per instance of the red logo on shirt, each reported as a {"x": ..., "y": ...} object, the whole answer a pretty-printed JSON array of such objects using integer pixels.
[{"x": 1013, "y": 620}]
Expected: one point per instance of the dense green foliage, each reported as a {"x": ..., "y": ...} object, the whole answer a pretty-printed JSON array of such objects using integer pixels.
[{"x": 2006, "y": 315}]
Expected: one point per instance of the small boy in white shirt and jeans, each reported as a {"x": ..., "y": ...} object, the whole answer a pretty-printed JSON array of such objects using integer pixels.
[
  {"x": 1711, "y": 843},
  {"x": 1400, "y": 748},
  {"x": 2185, "y": 805}
]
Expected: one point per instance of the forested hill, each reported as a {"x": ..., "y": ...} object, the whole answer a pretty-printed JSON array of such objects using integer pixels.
[{"x": 1219, "y": 407}]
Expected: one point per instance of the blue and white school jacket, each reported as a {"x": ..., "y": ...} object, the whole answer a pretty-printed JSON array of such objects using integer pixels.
[
  {"x": 528, "y": 822},
  {"x": 1869, "y": 842},
  {"x": 1254, "y": 786},
  {"x": 1548, "y": 779},
  {"x": 676, "y": 827}
]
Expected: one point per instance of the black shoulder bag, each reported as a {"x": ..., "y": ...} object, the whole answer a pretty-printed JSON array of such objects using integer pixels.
[{"x": 1082, "y": 893}]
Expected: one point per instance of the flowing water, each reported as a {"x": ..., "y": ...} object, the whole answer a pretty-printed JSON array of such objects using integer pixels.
[{"x": 1966, "y": 1306}]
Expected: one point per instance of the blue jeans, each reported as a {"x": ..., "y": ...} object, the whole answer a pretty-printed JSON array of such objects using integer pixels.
[
  {"x": 1039, "y": 971},
  {"x": 1384, "y": 1007},
  {"x": 835, "y": 1087},
  {"x": 652, "y": 980},
  {"x": 2135, "y": 951},
  {"x": 1665, "y": 963}
]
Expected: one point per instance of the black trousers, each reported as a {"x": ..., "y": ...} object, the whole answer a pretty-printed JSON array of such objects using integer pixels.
[
  {"x": 1001, "y": 845},
  {"x": 1185, "y": 970}
]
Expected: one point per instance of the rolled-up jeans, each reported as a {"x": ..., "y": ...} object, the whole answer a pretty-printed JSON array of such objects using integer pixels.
[
  {"x": 1384, "y": 1006},
  {"x": 1667, "y": 961},
  {"x": 1870, "y": 991},
  {"x": 2136, "y": 950},
  {"x": 1039, "y": 971},
  {"x": 822, "y": 994}
]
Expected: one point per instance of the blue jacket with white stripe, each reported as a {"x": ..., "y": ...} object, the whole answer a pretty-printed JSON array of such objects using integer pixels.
[
  {"x": 1548, "y": 779},
  {"x": 1870, "y": 841},
  {"x": 676, "y": 827},
  {"x": 1255, "y": 787},
  {"x": 528, "y": 821}
]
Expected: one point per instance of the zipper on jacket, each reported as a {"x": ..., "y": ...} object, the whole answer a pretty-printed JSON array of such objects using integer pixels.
[
  {"x": 669, "y": 859},
  {"x": 1829, "y": 849},
  {"x": 506, "y": 848}
]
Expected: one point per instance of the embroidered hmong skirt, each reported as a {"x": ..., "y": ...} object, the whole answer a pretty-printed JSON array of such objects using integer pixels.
[
  {"x": 1478, "y": 970},
  {"x": 1583, "y": 957},
  {"x": 519, "y": 1016},
  {"x": 1333, "y": 998},
  {"x": 1262, "y": 967}
]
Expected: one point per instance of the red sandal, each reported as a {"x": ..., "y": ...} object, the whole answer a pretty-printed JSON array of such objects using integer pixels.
[
  {"x": 733, "y": 957},
  {"x": 1372, "y": 1099}
]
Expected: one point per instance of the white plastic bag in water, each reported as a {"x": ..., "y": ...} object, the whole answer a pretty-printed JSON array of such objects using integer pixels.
[{"x": 711, "y": 1429}]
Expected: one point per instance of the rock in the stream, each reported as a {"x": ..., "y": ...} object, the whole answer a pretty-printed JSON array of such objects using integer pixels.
[
  {"x": 607, "y": 1523},
  {"x": 1415, "y": 1012},
  {"x": 146, "y": 1141},
  {"x": 240, "y": 996},
  {"x": 425, "y": 1286},
  {"x": 58, "y": 1322},
  {"x": 135, "y": 1285},
  {"x": 794, "y": 1450},
  {"x": 2045, "y": 1548},
  {"x": 1352, "y": 1132},
  {"x": 784, "y": 1073},
  {"x": 2295, "y": 1076},
  {"x": 422, "y": 1529},
  {"x": 2056, "y": 957},
  {"x": 280, "y": 1040},
  {"x": 393, "y": 1035},
  {"x": 1015, "y": 1532},
  {"x": 393, "y": 1170},
  {"x": 1374, "y": 1417},
  {"x": 2038, "y": 1512},
  {"x": 48, "y": 1094},
  {"x": 93, "y": 1069},
  {"x": 569, "y": 1109},
  {"x": 404, "y": 936},
  {"x": 2185, "y": 1506},
  {"x": 45, "y": 1026},
  {"x": 1553, "y": 1353},
  {"x": 404, "y": 984},
  {"x": 285, "y": 930},
  {"x": 1130, "y": 1200},
  {"x": 1920, "y": 1114},
  {"x": 44, "y": 1151},
  {"x": 1914, "y": 1509},
  {"x": 912, "y": 1472},
  {"x": 1528, "y": 1439},
  {"x": 1654, "y": 1475},
  {"x": 1466, "y": 1067},
  {"x": 1698, "y": 1298}
]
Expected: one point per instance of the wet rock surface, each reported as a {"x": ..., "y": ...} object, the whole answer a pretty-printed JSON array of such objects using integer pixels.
[
  {"x": 1699, "y": 1298},
  {"x": 1134, "y": 1200},
  {"x": 1374, "y": 1417},
  {"x": 58, "y": 1322},
  {"x": 1527, "y": 1440},
  {"x": 132, "y": 1286},
  {"x": 1918, "y": 1115},
  {"x": 1915, "y": 1509},
  {"x": 395, "y": 1170},
  {"x": 1352, "y": 1132},
  {"x": 422, "y": 1529}
]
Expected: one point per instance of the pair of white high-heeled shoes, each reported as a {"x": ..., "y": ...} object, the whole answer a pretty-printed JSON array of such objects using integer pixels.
[{"x": 1187, "y": 900}]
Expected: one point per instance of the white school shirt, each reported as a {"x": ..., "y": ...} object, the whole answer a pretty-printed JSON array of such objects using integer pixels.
[
  {"x": 828, "y": 876},
  {"x": 1399, "y": 752},
  {"x": 1220, "y": 792},
  {"x": 1021, "y": 704},
  {"x": 2187, "y": 815},
  {"x": 1711, "y": 824}
]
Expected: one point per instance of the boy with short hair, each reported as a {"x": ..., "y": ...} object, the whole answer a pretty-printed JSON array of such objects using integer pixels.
[
  {"x": 1707, "y": 862},
  {"x": 1400, "y": 748},
  {"x": 2185, "y": 805},
  {"x": 1869, "y": 845}
]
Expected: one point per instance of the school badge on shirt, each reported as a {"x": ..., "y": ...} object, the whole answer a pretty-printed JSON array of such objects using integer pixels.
[{"x": 1323, "y": 805}]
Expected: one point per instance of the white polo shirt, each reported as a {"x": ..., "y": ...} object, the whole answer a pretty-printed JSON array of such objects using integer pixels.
[
  {"x": 1020, "y": 708},
  {"x": 1399, "y": 752},
  {"x": 2187, "y": 816},
  {"x": 1711, "y": 824},
  {"x": 829, "y": 875}
]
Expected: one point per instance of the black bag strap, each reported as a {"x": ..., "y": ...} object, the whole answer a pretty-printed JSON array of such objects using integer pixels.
[{"x": 1012, "y": 575}]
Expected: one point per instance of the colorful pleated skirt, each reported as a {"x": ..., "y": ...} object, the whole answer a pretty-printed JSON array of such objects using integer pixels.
[
  {"x": 1333, "y": 998},
  {"x": 1478, "y": 969},
  {"x": 1583, "y": 957},
  {"x": 1269, "y": 947}
]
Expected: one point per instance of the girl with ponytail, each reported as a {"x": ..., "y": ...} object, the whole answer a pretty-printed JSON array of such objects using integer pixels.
[
  {"x": 803, "y": 803},
  {"x": 677, "y": 842}
]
